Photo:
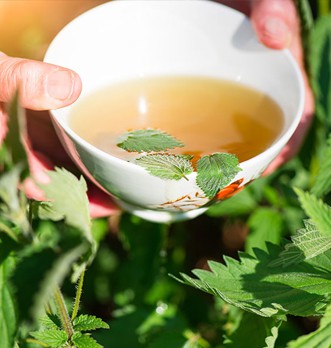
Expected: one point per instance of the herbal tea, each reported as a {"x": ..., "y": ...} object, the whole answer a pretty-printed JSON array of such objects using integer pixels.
[{"x": 208, "y": 115}]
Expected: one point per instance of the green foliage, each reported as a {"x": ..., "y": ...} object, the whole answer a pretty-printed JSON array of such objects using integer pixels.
[
  {"x": 241, "y": 204},
  {"x": 213, "y": 171},
  {"x": 317, "y": 210},
  {"x": 42, "y": 270},
  {"x": 88, "y": 323},
  {"x": 258, "y": 331},
  {"x": 320, "y": 338},
  {"x": 320, "y": 55},
  {"x": 322, "y": 184},
  {"x": 216, "y": 171},
  {"x": 8, "y": 317},
  {"x": 147, "y": 140},
  {"x": 307, "y": 243},
  {"x": 266, "y": 225},
  {"x": 53, "y": 338},
  {"x": 251, "y": 284},
  {"x": 13, "y": 206},
  {"x": 68, "y": 201},
  {"x": 170, "y": 167},
  {"x": 40, "y": 243},
  {"x": 84, "y": 341},
  {"x": 262, "y": 258},
  {"x": 16, "y": 135}
]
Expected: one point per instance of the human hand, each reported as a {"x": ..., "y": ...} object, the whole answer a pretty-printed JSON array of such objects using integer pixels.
[
  {"x": 277, "y": 26},
  {"x": 43, "y": 87}
]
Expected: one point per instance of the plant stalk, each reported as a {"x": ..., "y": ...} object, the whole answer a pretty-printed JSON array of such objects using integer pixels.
[
  {"x": 78, "y": 296},
  {"x": 63, "y": 312},
  {"x": 34, "y": 341}
]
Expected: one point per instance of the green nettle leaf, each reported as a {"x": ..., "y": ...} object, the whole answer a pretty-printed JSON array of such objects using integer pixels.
[
  {"x": 8, "y": 320},
  {"x": 320, "y": 338},
  {"x": 51, "y": 321},
  {"x": 216, "y": 171},
  {"x": 52, "y": 337},
  {"x": 84, "y": 341},
  {"x": 148, "y": 140},
  {"x": 322, "y": 184},
  {"x": 252, "y": 285},
  {"x": 319, "y": 212},
  {"x": 271, "y": 339},
  {"x": 258, "y": 331},
  {"x": 164, "y": 166},
  {"x": 306, "y": 244},
  {"x": 9, "y": 187},
  {"x": 13, "y": 202},
  {"x": 88, "y": 323},
  {"x": 68, "y": 199},
  {"x": 266, "y": 225}
]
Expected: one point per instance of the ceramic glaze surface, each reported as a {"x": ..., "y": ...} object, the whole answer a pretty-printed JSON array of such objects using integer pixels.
[{"x": 123, "y": 40}]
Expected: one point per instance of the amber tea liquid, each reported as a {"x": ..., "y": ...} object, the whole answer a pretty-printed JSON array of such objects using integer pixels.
[{"x": 208, "y": 115}]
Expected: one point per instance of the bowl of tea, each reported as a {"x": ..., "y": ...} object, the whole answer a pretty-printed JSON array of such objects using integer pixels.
[{"x": 181, "y": 106}]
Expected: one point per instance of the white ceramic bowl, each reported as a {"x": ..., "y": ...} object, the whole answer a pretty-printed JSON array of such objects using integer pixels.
[{"x": 123, "y": 40}]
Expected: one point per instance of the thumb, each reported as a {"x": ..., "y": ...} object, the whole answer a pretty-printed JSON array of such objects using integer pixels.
[
  {"x": 275, "y": 21},
  {"x": 41, "y": 86}
]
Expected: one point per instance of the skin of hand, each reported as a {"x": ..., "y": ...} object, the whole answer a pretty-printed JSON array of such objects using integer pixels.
[
  {"x": 44, "y": 87},
  {"x": 277, "y": 25}
]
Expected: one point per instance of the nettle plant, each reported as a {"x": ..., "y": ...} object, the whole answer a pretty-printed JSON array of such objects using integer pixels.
[{"x": 65, "y": 279}]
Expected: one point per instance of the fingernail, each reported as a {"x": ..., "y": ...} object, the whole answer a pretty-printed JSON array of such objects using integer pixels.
[
  {"x": 277, "y": 30},
  {"x": 60, "y": 84}
]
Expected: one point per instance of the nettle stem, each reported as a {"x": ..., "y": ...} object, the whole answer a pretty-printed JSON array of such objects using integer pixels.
[
  {"x": 78, "y": 296},
  {"x": 34, "y": 341},
  {"x": 63, "y": 312}
]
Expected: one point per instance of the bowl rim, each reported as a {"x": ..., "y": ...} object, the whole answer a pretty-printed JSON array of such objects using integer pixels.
[{"x": 267, "y": 153}]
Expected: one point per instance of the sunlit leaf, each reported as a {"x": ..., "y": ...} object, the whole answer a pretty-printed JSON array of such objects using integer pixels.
[
  {"x": 68, "y": 198},
  {"x": 164, "y": 166},
  {"x": 318, "y": 211},
  {"x": 52, "y": 337},
  {"x": 148, "y": 140},
  {"x": 252, "y": 285},
  {"x": 216, "y": 171},
  {"x": 307, "y": 243},
  {"x": 84, "y": 341},
  {"x": 86, "y": 322}
]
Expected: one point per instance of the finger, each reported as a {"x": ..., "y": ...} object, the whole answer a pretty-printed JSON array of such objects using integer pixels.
[
  {"x": 293, "y": 146},
  {"x": 41, "y": 86},
  {"x": 276, "y": 22},
  {"x": 101, "y": 204}
]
